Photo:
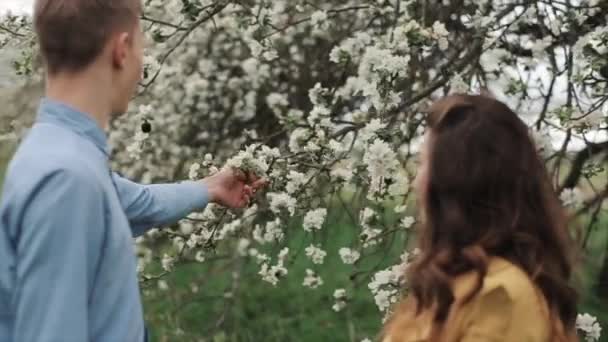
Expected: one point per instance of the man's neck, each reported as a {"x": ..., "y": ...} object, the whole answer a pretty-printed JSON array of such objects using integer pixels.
[{"x": 83, "y": 92}]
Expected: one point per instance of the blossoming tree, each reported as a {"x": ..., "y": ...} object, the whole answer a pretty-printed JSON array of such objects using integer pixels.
[{"x": 325, "y": 99}]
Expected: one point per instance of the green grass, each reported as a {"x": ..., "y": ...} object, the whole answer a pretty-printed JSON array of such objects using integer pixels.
[
  {"x": 595, "y": 254},
  {"x": 261, "y": 312},
  {"x": 290, "y": 312}
]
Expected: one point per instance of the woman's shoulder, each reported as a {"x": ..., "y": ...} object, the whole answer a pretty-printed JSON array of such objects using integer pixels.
[
  {"x": 508, "y": 303},
  {"x": 502, "y": 276},
  {"x": 508, "y": 307},
  {"x": 511, "y": 279}
]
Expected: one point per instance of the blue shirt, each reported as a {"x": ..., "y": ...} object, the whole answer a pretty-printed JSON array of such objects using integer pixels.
[{"x": 67, "y": 260}]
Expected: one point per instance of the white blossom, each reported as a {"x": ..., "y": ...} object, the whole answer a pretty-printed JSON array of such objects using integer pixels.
[
  {"x": 194, "y": 169},
  {"x": 272, "y": 232},
  {"x": 340, "y": 300},
  {"x": 543, "y": 142},
  {"x": 256, "y": 48},
  {"x": 571, "y": 197},
  {"x": 280, "y": 201},
  {"x": 208, "y": 160},
  {"x": 386, "y": 283},
  {"x": 371, "y": 129},
  {"x": 247, "y": 160},
  {"x": 589, "y": 325},
  {"x": 314, "y": 219},
  {"x": 168, "y": 262},
  {"x": 384, "y": 298},
  {"x": 296, "y": 181},
  {"x": 370, "y": 236},
  {"x": 283, "y": 254},
  {"x": 297, "y": 139},
  {"x": 178, "y": 243},
  {"x": 200, "y": 256},
  {"x": 459, "y": 85},
  {"x": 272, "y": 274},
  {"x": 162, "y": 285},
  {"x": 400, "y": 209},
  {"x": 343, "y": 170},
  {"x": 318, "y": 18},
  {"x": 136, "y": 148},
  {"x": 381, "y": 163},
  {"x": 441, "y": 34},
  {"x": 312, "y": 280},
  {"x": 277, "y": 101},
  {"x": 407, "y": 222},
  {"x": 193, "y": 240},
  {"x": 349, "y": 256},
  {"x": 270, "y": 55},
  {"x": 367, "y": 214},
  {"x": 439, "y": 29},
  {"x": 316, "y": 254},
  {"x": 399, "y": 187},
  {"x": 242, "y": 247}
]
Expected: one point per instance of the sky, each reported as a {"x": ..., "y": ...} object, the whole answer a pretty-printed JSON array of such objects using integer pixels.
[{"x": 16, "y": 5}]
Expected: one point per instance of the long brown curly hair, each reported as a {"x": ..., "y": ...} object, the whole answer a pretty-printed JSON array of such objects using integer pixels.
[{"x": 487, "y": 193}]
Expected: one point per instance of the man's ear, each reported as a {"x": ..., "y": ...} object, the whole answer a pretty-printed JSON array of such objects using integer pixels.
[{"x": 120, "y": 49}]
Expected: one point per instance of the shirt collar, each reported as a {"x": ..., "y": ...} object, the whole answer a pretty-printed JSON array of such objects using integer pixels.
[{"x": 55, "y": 112}]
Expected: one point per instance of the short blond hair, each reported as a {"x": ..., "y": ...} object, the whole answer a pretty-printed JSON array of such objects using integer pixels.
[{"x": 72, "y": 33}]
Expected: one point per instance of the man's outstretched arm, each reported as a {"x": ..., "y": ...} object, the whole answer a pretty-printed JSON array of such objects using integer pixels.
[{"x": 155, "y": 205}]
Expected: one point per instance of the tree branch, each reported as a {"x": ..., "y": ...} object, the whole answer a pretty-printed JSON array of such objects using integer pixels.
[
  {"x": 14, "y": 33},
  {"x": 592, "y": 150},
  {"x": 164, "y": 23},
  {"x": 198, "y": 23},
  {"x": 298, "y": 22}
]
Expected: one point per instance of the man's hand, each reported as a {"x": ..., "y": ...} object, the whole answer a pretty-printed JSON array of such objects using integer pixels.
[{"x": 232, "y": 188}]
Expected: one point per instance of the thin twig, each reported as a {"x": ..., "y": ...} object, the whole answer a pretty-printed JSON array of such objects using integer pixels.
[
  {"x": 14, "y": 33},
  {"x": 164, "y": 23},
  {"x": 298, "y": 22},
  {"x": 187, "y": 33}
]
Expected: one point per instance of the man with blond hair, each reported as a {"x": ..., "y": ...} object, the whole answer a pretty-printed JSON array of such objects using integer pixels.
[{"x": 67, "y": 261}]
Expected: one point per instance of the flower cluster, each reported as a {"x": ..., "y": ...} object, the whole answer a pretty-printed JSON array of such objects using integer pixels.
[
  {"x": 387, "y": 284},
  {"x": 571, "y": 197},
  {"x": 316, "y": 254},
  {"x": 314, "y": 219},
  {"x": 340, "y": 300},
  {"x": 589, "y": 325},
  {"x": 274, "y": 273},
  {"x": 312, "y": 280},
  {"x": 349, "y": 256}
]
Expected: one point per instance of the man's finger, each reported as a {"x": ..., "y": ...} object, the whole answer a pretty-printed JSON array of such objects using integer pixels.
[
  {"x": 246, "y": 200},
  {"x": 252, "y": 177},
  {"x": 240, "y": 175},
  {"x": 261, "y": 182}
]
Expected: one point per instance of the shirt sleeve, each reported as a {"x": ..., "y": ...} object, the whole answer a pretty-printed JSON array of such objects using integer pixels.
[
  {"x": 52, "y": 286},
  {"x": 149, "y": 206},
  {"x": 491, "y": 317}
]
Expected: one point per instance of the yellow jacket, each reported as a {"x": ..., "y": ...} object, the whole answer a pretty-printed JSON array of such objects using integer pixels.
[{"x": 509, "y": 308}]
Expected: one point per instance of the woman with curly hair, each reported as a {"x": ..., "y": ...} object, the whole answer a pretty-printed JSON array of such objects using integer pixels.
[{"x": 496, "y": 256}]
